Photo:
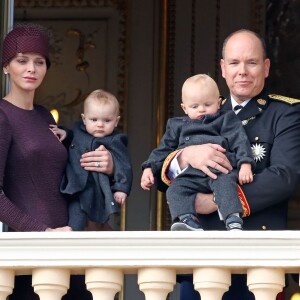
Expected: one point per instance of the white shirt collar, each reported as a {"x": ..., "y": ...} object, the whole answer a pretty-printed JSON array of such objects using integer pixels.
[{"x": 234, "y": 103}]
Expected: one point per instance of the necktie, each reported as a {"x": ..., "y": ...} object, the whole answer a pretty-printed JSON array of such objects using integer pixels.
[{"x": 237, "y": 107}]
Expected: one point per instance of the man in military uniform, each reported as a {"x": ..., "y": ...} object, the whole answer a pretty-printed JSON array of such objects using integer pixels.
[{"x": 272, "y": 124}]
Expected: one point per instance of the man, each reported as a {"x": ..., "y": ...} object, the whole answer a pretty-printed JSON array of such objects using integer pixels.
[{"x": 272, "y": 124}]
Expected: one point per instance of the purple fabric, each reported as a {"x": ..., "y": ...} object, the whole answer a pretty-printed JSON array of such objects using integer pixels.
[
  {"x": 32, "y": 162},
  {"x": 24, "y": 39}
]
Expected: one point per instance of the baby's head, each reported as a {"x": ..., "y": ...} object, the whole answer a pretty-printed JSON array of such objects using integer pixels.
[
  {"x": 200, "y": 96},
  {"x": 100, "y": 113}
]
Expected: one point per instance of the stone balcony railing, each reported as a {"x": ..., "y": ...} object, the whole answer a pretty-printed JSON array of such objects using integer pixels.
[{"x": 156, "y": 257}]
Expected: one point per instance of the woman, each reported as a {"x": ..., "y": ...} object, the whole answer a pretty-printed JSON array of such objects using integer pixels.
[{"x": 32, "y": 157}]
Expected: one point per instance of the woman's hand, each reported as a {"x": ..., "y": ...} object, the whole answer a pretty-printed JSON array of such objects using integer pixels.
[
  {"x": 202, "y": 157},
  {"x": 65, "y": 228},
  {"x": 99, "y": 160}
]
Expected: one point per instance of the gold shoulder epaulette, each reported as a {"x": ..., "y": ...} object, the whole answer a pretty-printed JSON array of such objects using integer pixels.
[{"x": 284, "y": 99}]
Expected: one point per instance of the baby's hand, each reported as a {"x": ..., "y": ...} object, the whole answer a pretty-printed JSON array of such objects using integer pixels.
[
  {"x": 245, "y": 174},
  {"x": 147, "y": 179},
  {"x": 60, "y": 133},
  {"x": 120, "y": 197}
]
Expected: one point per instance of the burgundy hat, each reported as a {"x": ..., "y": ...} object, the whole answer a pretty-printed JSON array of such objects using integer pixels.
[{"x": 23, "y": 39}]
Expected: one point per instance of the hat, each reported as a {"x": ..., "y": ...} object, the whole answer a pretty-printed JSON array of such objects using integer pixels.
[{"x": 23, "y": 39}]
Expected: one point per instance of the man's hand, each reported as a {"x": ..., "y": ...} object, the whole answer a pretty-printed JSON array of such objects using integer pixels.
[
  {"x": 99, "y": 160},
  {"x": 202, "y": 157}
]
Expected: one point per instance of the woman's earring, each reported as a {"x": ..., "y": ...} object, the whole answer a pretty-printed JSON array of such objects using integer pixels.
[{"x": 5, "y": 72}]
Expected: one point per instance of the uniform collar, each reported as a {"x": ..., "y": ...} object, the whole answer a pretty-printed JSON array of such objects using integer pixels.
[
  {"x": 234, "y": 103},
  {"x": 255, "y": 106}
]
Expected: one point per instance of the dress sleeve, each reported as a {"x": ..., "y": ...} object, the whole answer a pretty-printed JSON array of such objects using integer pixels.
[{"x": 10, "y": 214}]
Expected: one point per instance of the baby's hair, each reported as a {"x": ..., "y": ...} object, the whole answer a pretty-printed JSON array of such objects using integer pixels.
[
  {"x": 103, "y": 97},
  {"x": 204, "y": 81}
]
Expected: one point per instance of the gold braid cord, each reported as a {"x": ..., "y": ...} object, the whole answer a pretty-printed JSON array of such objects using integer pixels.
[
  {"x": 244, "y": 202},
  {"x": 165, "y": 167}
]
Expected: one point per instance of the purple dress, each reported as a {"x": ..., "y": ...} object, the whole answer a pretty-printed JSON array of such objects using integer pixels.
[
  {"x": 31, "y": 168},
  {"x": 32, "y": 162}
]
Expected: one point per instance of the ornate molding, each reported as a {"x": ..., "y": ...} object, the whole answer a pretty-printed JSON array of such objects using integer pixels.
[
  {"x": 122, "y": 9},
  {"x": 67, "y": 3}
]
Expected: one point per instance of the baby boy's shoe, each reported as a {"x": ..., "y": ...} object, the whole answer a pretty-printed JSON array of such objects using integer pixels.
[
  {"x": 186, "y": 222},
  {"x": 234, "y": 223}
]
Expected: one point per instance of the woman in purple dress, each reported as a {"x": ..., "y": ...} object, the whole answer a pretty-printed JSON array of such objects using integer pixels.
[{"x": 32, "y": 156}]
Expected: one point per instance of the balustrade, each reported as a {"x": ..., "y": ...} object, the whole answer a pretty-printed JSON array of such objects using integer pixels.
[{"x": 156, "y": 257}]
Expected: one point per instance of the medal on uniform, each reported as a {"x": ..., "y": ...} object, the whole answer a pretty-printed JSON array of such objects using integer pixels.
[
  {"x": 258, "y": 152},
  {"x": 245, "y": 122},
  {"x": 261, "y": 102}
]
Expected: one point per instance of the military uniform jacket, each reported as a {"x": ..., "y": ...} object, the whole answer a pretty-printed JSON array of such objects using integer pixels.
[
  {"x": 272, "y": 124},
  {"x": 222, "y": 128},
  {"x": 95, "y": 190}
]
